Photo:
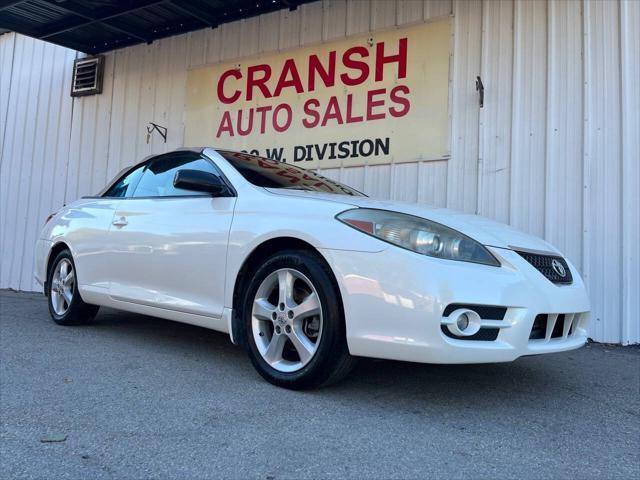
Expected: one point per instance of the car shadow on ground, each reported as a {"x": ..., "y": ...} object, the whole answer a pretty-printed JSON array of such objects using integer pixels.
[{"x": 454, "y": 385}]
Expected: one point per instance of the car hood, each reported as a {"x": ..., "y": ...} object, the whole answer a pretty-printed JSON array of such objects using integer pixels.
[{"x": 486, "y": 231}]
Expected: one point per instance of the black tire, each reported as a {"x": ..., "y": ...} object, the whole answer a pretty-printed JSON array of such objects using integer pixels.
[
  {"x": 331, "y": 361},
  {"x": 77, "y": 312}
]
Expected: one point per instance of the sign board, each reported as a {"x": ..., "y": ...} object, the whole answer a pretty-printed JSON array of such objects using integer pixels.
[{"x": 368, "y": 99}]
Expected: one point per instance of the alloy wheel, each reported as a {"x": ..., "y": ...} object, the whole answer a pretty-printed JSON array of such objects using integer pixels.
[
  {"x": 286, "y": 320},
  {"x": 62, "y": 286}
]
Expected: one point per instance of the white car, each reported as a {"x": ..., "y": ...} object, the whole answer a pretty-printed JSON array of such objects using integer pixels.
[{"x": 304, "y": 272}]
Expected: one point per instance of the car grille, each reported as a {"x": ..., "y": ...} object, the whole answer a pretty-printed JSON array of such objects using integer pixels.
[
  {"x": 545, "y": 265},
  {"x": 548, "y": 326}
]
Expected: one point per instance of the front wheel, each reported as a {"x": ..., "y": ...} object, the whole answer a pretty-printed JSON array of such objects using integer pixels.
[
  {"x": 294, "y": 324},
  {"x": 65, "y": 305}
]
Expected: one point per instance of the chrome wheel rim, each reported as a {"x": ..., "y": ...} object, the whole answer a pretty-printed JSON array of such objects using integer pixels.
[
  {"x": 62, "y": 286},
  {"x": 286, "y": 320}
]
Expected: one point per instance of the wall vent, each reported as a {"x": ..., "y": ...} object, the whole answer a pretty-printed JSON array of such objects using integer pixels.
[{"x": 87, "y": 76}]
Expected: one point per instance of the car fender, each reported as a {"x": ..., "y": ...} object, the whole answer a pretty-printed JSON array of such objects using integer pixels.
[{"x": 258, "y": 220}]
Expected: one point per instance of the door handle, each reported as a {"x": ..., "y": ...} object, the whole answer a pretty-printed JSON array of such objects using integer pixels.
[{"x": 120, "y": 222}]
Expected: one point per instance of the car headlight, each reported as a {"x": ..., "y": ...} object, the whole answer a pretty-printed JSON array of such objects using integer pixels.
[{"x": 418, "y": 235}]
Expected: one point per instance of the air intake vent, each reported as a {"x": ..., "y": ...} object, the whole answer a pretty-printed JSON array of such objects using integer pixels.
[{"x": 87, "y": 76}]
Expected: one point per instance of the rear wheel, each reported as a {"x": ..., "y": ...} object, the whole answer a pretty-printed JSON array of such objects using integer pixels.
[
  {"x": 294, "y": 324},
  {"x": 65, "y": 305}
]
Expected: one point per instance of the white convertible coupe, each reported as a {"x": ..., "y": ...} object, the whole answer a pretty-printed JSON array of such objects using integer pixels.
[{"x": 304, "y": 272}]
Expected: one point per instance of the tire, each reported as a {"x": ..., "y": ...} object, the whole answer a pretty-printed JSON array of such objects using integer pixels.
[
  {"x": 65, "y": 304},
  {"x": 314, "y": 327}
]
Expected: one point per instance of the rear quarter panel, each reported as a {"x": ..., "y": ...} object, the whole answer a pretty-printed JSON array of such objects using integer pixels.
[{"x": 84, "y": 226}]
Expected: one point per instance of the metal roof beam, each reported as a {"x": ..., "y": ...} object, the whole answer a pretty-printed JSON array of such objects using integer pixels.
[
  {"x": 125, "y": 31},
  {"x": 16, "y": 27},
  {"x": 111, "y": 24},
  {"x": 5, "y": 4},
  {"x": 195, "y": 12},
  {"x": 82, "y": 13}
]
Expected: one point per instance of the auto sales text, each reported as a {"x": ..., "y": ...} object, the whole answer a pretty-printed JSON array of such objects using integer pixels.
[{"x": 354, "y": 67}]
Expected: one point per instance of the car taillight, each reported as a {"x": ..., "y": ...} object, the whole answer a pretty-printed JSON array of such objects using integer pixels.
[{"x": 49, "y": 217}]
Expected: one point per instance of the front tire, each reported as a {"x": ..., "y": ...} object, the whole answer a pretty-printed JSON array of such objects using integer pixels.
[
  {"x": 293, "y": 321},
  {"x": 65, "y": 305}
]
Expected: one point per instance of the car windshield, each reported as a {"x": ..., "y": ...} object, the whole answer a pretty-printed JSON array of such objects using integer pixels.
[{"x": 264, "y": 172}]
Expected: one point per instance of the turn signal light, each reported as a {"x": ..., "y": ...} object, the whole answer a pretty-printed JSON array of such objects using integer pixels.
[{"x": 360, "y": 225}]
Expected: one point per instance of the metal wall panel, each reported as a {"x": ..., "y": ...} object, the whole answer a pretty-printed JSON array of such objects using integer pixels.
[
  {"x": 7, "y": 50},
  {"x": 36, "y": 126},
  {"x": 462, "y": 172},
  {"x": 602, "y": 141},
  {"x": 554, "y": 151},
  {"x": 494, "y": 160},
  {"x": 630, "y": 71},
  {"x": 290, "y": 31},
  {"x": 529, "y": 117},
  {"x": 334, "y": 19},
  {"x": 310, "y": 23},
  {"x": 564, "y": 128}
]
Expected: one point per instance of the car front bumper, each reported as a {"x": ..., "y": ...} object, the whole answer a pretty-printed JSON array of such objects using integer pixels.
[{"x": 394, "y": 301}]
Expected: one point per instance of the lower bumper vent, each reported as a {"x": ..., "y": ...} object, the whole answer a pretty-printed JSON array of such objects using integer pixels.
[
  {"x": 484, "y": 334},
  {"x": 554, "y": 325}
]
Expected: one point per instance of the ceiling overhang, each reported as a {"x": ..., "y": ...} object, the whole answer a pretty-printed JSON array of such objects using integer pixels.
[{"x": 96, "y": 26}]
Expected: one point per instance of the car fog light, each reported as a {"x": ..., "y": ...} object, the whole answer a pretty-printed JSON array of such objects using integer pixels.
[{"x": 463, "y": 322}]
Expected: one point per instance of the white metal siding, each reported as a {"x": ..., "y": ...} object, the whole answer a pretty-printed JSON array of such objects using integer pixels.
[
  {"x": 630, "y": 100},
  {"x": 555, "y": 151},
  {"x": 602, "y": 142},
  {"x": 564, "y": 130}
]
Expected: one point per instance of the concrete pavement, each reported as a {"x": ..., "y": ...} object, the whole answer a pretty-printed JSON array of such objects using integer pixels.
[{"x": 139, "y": 397}]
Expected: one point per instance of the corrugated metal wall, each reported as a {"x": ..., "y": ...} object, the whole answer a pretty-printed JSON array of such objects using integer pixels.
[{"x": 555, "y": 150}]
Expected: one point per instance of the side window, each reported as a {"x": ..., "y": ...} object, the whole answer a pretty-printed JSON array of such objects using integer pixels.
[
  {"x": 157, "y": 179},
  {"x": 124, "y": 187}
]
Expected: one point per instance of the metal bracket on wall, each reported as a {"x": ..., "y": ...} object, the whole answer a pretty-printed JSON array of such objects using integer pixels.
[
  {"x": 160, "y": 129},
  {"x": 480, "y": 90}
]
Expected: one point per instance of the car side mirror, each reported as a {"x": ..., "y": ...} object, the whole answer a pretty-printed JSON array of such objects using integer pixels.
[{"x": 199, "y": 181}]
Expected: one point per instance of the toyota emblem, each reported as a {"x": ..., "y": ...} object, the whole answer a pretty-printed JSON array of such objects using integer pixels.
[{"x": 558, "y": 268}]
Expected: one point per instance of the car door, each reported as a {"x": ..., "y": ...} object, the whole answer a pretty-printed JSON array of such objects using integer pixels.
[
  {"x": 86, "y": 225},
  {"x": 171, "y": 244}
]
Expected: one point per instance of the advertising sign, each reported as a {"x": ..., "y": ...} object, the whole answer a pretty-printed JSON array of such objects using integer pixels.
[{"x": 368, "y": 99}]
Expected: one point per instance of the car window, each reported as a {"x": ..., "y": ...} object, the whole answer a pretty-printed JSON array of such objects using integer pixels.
[
  {"x": 124, "y": 187},
  {"x": 265, "y": 172},
  {"x": 157, "y": 178}
]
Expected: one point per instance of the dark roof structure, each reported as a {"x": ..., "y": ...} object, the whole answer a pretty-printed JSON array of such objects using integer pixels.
[{"x": 96, "y": 26}]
